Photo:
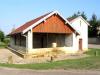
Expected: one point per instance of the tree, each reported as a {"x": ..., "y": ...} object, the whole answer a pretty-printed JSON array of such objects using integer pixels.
[
  {"x": 1, "y": 36},
  {"x": 98, "y": 28},
  {"x": 84, "y": 15},
  {"x": 79, "y": 14},
  {"x": 92, "y": 32}
]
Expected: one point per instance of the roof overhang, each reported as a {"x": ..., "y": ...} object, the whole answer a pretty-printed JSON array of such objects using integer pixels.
[
  {"x": 43, "y": 19},
  {"x": 80, "y": 18}
]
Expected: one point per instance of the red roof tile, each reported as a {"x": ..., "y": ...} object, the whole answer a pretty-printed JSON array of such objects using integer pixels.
[
  {"x": 70, "y": 19},
  {"x": 26, "y": 25}
]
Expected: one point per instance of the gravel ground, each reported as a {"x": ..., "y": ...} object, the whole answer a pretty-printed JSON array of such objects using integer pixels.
[{"x": 5, "y": 54}]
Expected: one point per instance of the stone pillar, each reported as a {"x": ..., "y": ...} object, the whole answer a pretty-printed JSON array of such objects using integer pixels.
[
  {"x": 12, "y": 42},
  {"x": 75, "y": 42},
  {"x": 29, "y": 41}
]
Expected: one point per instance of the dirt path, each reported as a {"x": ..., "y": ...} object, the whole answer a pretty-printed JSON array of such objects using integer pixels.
[{"x": 10, "y": 71}]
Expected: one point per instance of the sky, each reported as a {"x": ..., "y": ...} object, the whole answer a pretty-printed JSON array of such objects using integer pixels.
[{"x": 14, "y": 13}]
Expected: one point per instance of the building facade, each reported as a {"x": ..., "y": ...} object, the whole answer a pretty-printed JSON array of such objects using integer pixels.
[{"x": 42, "y": 33}]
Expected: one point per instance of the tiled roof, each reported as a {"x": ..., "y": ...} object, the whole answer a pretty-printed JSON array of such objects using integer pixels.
[
  {"x": 70, "y": 19},
  {"x": 36, "y": 21},
  {"x": 26, "y": 25}
]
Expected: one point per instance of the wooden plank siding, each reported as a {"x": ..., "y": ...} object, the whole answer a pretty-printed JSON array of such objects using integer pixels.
[{"x": 53, "y": 24}]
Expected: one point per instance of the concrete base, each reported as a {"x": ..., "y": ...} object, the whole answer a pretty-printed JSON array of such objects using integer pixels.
[{"x": 42, "y": 52}]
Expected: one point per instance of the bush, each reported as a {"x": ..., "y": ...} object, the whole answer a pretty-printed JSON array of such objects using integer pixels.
[{"x": 6, "y": 41}]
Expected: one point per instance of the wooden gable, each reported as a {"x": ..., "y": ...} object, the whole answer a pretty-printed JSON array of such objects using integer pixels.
[{"x": 54, "y": 24}]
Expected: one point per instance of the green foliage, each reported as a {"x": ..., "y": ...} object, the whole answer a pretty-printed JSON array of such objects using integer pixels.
[
  {"x": 1, "y": 36},
  {"x": 6, "y": 40},
  {"x": 93, "y": 31},
  {"x": 2, "y": 45},
  {"x": 98, "y": 28},
  {"x": 79, "y": 14},
  {"x": 84, "y": 15}
]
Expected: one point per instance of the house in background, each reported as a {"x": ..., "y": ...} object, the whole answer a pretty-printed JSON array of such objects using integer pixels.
[
  {"x": 82, "y": 26},
  {"x": 52, "y": 28}
]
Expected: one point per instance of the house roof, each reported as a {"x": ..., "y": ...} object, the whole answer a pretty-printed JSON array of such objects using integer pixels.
[
  {"x": 29, "y": 25},
  {"x": 75, "y": 18},
  {"x": 54, "y": 24},
  {"x": 71, "y": 18}
]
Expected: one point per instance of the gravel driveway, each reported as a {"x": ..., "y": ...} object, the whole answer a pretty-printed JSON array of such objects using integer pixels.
[
  {"x": 5, "y": 54},
  {"x": 10, "y": 71}
]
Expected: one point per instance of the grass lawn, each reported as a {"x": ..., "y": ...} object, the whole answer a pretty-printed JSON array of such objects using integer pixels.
[
  {"x": 2, "y": 46},
  {"x": 91, "y": 62}
]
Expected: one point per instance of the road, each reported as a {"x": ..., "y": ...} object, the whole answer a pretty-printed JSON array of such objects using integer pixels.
[
  {"x": 94, "y": 46},
  {"x": 10, "y": 71}
]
